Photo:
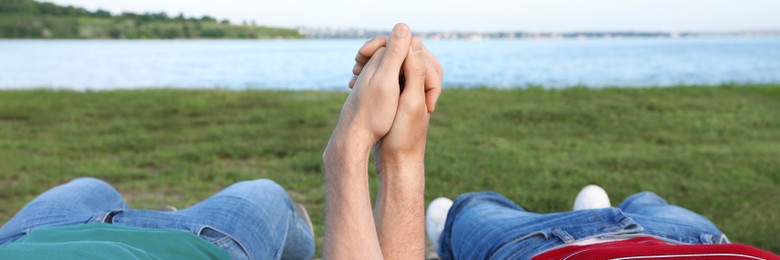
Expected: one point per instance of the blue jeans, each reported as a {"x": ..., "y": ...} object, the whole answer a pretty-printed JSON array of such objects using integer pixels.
[
  {"x": 250, "y": 219},
  {"x": 486, "y": 225}
]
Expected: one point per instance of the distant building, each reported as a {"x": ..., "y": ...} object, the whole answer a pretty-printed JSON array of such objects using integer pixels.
[{"x": 330, "y": 33}]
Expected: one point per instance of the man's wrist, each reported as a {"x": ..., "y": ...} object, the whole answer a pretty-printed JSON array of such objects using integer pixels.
[
  {"x": 347, "y": 136},
  {"x": 346, "y": 148},
  {"x": 408, "y": 173},
  {"x": 387, "y": 160}
]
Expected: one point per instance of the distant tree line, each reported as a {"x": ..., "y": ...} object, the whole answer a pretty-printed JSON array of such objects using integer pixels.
[{"x": 31, "y": 19}]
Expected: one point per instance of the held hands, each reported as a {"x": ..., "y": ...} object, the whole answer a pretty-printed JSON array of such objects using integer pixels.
[{"x": 377, "y": 109}]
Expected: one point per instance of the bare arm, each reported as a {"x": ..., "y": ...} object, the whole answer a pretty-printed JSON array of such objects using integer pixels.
[
  {"x": 349, "y": 224},
  {"x": 400, "y": 206}
]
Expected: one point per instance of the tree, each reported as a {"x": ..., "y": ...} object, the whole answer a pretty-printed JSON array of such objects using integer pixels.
[
  {"x": 100, "y": 13},
  {"x": 186, "y": 30},
  {"x": 34, "y": 19},
  {"x": 207, "y": 18},
  {"x": 51, "y": 9},
  {"x": 18, "y": 6}
]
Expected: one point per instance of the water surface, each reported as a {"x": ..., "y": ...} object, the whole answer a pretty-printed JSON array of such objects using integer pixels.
[{"x": 326, "y": 64}]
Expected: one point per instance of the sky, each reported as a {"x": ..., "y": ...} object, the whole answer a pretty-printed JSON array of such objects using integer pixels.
[{"x": 474, "y": 15}]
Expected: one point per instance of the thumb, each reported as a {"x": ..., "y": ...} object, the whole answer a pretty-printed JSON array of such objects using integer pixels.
[{"x": 413, "y": 95}]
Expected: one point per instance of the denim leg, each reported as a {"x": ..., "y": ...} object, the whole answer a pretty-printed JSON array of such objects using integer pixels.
[
  {"x": 75, "y": 202},
  {"x": 661, "y": 219},
  {"x": 250, "y": 219},
  {"x": 300, "y": 239},
  {"x": 486, "y": 225}
]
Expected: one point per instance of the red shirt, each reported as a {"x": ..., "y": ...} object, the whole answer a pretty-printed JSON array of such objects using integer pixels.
[{"x": 650, "y": 248}]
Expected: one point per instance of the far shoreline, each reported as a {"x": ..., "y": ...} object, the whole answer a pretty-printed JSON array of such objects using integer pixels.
[
  {"x": 445, "y": 88},
  {"x": 424, "y": 38}
]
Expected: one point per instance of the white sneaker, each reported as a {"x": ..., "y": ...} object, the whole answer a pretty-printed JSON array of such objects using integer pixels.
[
  {"x": 435, "y": 218},
  {"x": 591, "y": 197}
]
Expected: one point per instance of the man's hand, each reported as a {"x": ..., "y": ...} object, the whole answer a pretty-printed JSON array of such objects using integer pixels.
[
  {"x": 371, "y": 106},
  {"x": 405, "y": 143}
]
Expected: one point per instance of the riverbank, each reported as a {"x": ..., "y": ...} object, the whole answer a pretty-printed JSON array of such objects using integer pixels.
[
  {"x": 28, "y": 19},
  {"x": 713, "y": 150}
]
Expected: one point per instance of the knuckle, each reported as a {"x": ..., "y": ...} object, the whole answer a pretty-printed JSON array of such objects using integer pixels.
[
  {"x": 395, "y": 52},
  {"x": 415, "y": 108},
  {"x": 417, "y": 70}
]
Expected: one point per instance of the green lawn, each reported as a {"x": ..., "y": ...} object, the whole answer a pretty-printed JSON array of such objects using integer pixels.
[{"x": 714, "y": 150}]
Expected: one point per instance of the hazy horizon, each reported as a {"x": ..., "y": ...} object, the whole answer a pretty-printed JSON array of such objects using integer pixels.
[{"x": 483, "y": 16}]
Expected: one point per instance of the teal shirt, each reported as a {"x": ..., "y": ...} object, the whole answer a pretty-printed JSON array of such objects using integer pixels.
[{"x": 106, "y": 241}]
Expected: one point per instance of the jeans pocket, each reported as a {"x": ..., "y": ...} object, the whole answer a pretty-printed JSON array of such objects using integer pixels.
[
  {"x": 223, "y": 240},
  {"x": 526, "y": 245},
  {"x": 11, "y": 237}
]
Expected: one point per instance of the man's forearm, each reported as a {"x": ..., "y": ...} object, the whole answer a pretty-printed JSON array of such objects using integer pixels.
[
  {"x": 348, "y": 215},
  {"x": 400, "y": 210}
]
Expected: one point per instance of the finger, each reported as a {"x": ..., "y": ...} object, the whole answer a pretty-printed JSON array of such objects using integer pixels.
[
  {"x": 413, "y": 96},
  {"x": 367, "y": 50},
  {"x": 375, "y": 62},
  {"x": 370, "y": 68},
  {"x": 364, "y": 54},
  {"x": 433, "y": 63},
  {"x": 396, "y": 51},
  {"x": 353, "y": 80},
  {"x": 431, "y": 97},
  {"x": 433, "y": 79},
  {"x": 357, "y": 68}
]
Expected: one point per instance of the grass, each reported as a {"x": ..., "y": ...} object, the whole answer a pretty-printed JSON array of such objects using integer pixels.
[{"x": 714, "y": 150}]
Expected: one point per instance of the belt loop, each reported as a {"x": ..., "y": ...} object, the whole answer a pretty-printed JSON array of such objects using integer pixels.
[
  {"x": 723, "y": 239},
  {"x": 109, "y": 218},
  {"x": 563, "y": 235},
  {"x": 706, "y": 238}
]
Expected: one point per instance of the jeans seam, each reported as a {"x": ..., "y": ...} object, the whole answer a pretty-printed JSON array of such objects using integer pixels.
[{"x": 291, "y": 215}]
